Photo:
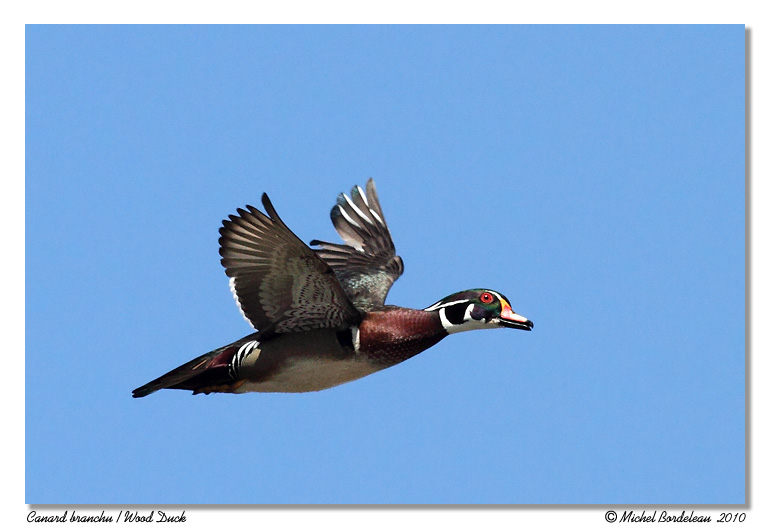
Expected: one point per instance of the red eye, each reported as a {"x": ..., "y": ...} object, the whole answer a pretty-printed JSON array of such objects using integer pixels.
[{"x": 486, "y": 298}]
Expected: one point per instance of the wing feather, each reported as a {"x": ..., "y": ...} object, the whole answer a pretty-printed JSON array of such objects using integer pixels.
[
  {"x": 367, "y": 264},
  {"x": 279, "y": 283}
]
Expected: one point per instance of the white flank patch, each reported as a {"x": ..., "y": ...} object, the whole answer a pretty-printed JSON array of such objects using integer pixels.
[
  {"x": 246, "y": 348},
  {"x": 356, "y": 338},
  {"x": 239, "y": 357}
]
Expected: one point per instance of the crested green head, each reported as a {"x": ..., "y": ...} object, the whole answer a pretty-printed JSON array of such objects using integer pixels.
[{"x": 478, "y": 309}]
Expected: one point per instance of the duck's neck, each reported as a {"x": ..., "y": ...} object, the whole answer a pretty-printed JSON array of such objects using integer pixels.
[{"x": 392, "y": 335}]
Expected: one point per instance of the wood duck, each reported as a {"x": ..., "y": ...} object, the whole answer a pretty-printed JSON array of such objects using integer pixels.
[{"x": 319, "y": 314}]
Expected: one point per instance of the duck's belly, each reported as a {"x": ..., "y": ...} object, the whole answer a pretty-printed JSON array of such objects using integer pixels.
[{"x": 307, "y": 374}]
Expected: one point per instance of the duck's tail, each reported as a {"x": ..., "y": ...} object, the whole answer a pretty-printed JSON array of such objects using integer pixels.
[{"x": 206, "y": 371}]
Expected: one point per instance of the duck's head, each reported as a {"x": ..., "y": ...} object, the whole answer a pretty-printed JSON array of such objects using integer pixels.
[{"x": 477, "y": 309}]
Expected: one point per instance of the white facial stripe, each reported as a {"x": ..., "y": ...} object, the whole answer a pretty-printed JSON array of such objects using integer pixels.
[
  {"x": 439, "y": 305},
  {"x": 468, "y": 323},
  {"x": 465, "y": 325},
  {"x": 444, "y": 321}
]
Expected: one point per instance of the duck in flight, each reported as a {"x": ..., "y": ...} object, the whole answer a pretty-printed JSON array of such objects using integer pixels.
[{"x": 320, "y": 314}]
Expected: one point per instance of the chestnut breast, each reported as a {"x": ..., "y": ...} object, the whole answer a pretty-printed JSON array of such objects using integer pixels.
[{"x": 394, "y": 334}]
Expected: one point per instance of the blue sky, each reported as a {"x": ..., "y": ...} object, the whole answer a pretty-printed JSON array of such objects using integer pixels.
[{"x": 593, "y": 174}]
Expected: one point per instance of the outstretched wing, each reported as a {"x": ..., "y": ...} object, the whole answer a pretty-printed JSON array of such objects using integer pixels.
[
  {"x": 279, "y": 283},
  {"x": 367, "y": 264}
]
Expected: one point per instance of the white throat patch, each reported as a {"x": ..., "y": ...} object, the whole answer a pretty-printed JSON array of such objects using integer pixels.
[{"x": 468, "y": 323}]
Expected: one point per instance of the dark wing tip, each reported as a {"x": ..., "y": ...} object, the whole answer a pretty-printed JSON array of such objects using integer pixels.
[
  {"x": 139, "y": 393},
  {"x": 267, "y": 204},
  {"x": 270, "y": 210}
]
